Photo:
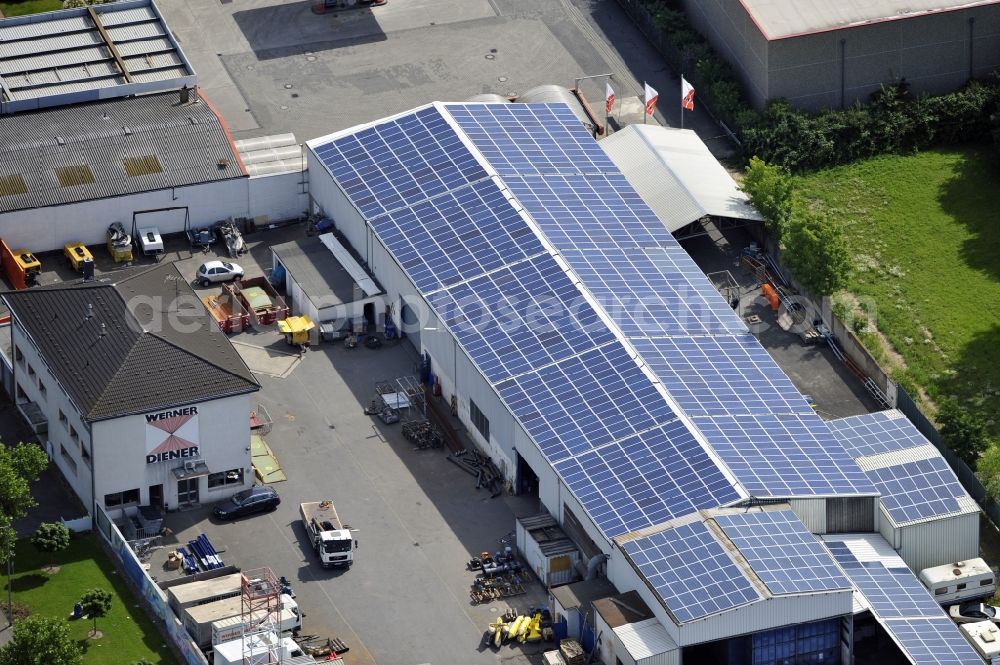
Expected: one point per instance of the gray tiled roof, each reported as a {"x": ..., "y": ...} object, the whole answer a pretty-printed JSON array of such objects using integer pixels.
[
  {"x": 159, "y": 347},
  {"x": 186, "y": 141}
]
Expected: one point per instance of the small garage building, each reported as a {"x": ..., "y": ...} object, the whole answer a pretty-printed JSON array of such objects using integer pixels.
[{"x": 325, "y": 282}]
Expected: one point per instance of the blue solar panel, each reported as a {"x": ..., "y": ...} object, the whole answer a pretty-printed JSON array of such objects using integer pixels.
[
  {"x": 891, "y": 592},
  {"x": 400, "y": 162},
  {"x": 721, "y": 375},
  {"x": 654, "y": 291},
  {"x": 918, "y": 490},
  {"x": 523, "y": 139},
  {"x": 585, "y": 401},
  {"x": 875, "y": 433},
  {"x": 782, "y": 552},
  {"x": 457, "y": 236},
  {"x": 645, "y": 480},
  {"x": 784, "y": 455},
  {"x": 520, "y": 317},
  {"x": 933, "y": 642},
  {"x": 590, "y": 212},
  {"x": 690, "y": 571}
]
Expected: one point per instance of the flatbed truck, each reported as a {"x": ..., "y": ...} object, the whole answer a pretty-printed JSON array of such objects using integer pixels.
[{"x": 331, "y": 539}]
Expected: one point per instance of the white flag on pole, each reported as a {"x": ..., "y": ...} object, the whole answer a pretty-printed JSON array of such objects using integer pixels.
[{"x": 651, "y": 97}]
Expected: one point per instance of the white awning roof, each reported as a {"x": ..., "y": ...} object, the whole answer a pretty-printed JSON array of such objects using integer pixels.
[
  {"x": 354, "y": 269},
  {"x": 676, "y": 174},
  {"x": 644, "y": 639}
]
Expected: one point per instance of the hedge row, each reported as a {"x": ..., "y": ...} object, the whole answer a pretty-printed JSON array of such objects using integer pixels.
[{"x": 894, "y": 121}]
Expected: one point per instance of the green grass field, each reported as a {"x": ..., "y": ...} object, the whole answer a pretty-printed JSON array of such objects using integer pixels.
[
  {"x": 925, "y": 234},
  {"x": 24, "y": 7},
  {"x": 128, "y": 633}
]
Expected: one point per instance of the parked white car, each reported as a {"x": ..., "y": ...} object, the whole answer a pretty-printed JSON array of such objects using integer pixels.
[
  {"x": 218, "y": 271},
  {"x": 973, "y": 612}
]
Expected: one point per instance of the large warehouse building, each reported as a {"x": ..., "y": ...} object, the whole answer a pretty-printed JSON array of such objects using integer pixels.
[
  {"x": 594, "y": 361},
  {"x": 831, "y": 54}
]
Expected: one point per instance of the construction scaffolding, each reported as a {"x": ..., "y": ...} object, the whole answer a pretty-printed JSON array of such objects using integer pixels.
[{"x": 261, "y": 608}]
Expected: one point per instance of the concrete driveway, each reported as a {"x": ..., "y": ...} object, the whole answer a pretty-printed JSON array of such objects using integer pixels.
[{"x": 419, "y": 519}]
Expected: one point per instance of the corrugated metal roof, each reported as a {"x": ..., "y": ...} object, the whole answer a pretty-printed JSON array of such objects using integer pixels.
[
  {"x": 324, "y": 280},
  {"x": 779, "y": 19},
  {"x": 658, "y": 187},
  {"x": 675, "y": 169},
  {"x": 187, "y": 140},
  {"x": 645, "y": 639},
  {"x": 60, "y": 42}
]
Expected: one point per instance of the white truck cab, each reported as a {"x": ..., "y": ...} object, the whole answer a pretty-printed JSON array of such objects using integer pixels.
[
  {"x": 332, "y": 539},
  {"x": 960, "y": 581}
]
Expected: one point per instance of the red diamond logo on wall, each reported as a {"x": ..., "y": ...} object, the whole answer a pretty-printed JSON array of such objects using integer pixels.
[{"x": 169, "y": 434}]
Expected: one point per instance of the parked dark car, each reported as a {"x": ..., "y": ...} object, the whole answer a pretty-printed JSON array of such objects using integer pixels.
[{"x": 247, "y": 502}]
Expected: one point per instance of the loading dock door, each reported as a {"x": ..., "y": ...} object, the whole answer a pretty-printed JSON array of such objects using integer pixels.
[
  {"x": 411, "y": 324},
  {"x": 166, "y": 220}
]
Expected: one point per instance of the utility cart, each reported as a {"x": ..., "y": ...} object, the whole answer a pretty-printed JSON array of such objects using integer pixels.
[
  {"x": 78, "y": 255},
  {"x": 296, "y": 329},
  {"x": 119, "y": 243}
]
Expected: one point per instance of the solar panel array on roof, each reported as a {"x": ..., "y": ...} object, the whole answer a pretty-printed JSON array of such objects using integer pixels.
[
  {"x": 649, "y": 292},
  {"x": 401, "y": 162},
  {"x": 784, "y": 455},
  {"x": 721, "y": 374},
  {"x": 933, "y": 642},
  {"x": 589, "y": 211},
  {"x": 531, "y": 138},
  {"x": 691, "y": 571},
  {"x": 918, "y": 490},
  {"x": 456, "y": 236},
  {"x": 874, "y": 433},
  {"x": 906, "y": 610},
  {"x": 584, "y": 402},
  {"x": 782, "y": 552},
  {"x": 521, "y": 317},
  {"x": 645, "y": 480},
  {"x": 891, "y": 592}
]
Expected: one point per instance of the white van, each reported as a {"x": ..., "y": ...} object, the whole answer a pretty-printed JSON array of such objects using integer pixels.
[{"x": 960, "y": 581}]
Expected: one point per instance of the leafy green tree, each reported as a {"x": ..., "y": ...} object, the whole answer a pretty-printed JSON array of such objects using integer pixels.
[
  {"x": 816, "y": 252},
  {"x": 20, "y": 465},
  {"x": 988, "y": 470},
  {"x": 770, "y": 190},
  {"x": 51, "y": 537},
  {"x": 41, "y": 640},
  {"x": 96, "y": 603},
  {"x": 963, "y": 431}
]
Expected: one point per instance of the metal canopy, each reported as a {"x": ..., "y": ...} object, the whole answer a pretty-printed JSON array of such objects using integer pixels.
[{"x": 81, "y": 55}]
